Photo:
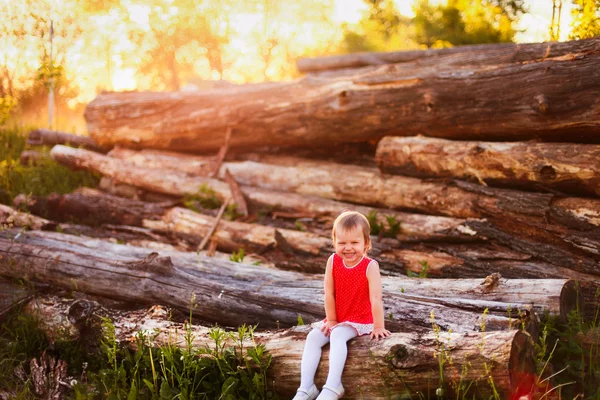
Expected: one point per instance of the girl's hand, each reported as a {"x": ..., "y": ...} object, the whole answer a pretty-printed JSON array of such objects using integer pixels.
[
  {"x": 379, "y": 332},
  {"x": 326, "y": 328}
]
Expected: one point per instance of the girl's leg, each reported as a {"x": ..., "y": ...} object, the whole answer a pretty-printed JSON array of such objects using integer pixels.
[
  {"x": 311, "y": 357},
  {"x": 338, "y": 351}
]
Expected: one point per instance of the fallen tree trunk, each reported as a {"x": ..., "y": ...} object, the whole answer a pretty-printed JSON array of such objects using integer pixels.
[
  {"x": 296, "y": 250},
  {"x": 410, "y": 356},
  {"x": 567, "y": 167},
  {"x": 480, "y": 54},
  {"x": 227, "y": 293},
  {"x": 414, "y": 227},
  {"x": 92, "y": 207},
  {"x": 543, "y": 99},
  {"x": 573, "y": 226},
  {"x": 39, "y": 137}
]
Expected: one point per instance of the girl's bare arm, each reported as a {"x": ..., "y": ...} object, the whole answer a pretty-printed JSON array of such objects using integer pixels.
[
  {"x": 375, "y": 294},
  {"x": 329, "y": 298}
]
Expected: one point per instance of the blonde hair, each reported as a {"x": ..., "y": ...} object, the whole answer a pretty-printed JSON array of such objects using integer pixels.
[{"x": 349, "y": 220}]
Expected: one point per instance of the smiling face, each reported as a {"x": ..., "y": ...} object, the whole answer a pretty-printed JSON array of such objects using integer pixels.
[{"x": 350, "y": 245}]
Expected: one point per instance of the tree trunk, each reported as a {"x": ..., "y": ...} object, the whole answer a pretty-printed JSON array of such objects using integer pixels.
[
  {"x": 92, "y": 207},
  {"x": 404, "y": 363},
  {"x": 550, "y": 99},
  {"x": 564, "y": 226},
  {"x": 39, "y": 137},
  {"x": 288, "y": 249},
  {"x": 229, "y": 293},
  {"x": 414, "y": 227},
  {"x": 481, "y": 54},
  {"x": 566, "y": 167}
]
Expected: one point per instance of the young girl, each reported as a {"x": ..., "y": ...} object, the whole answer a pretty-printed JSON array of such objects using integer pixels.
[{"x": 353, "y": 306}]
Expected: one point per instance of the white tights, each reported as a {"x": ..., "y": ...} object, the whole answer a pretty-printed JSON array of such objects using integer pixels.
[{"x": 338, "y": 351}]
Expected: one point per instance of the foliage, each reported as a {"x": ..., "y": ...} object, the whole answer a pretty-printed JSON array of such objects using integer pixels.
[
  {"x": 382, "y": 28},
  {"x": 237, "y": 256},
  {"x": 568, "y": 353},
  {"x": 586, "y": 19},
  {"x": 221, "y": 371},
  {"x": 41, "y": 179},
  {"x": 423, "y": 273},
  {"x": 461, "y": 22},
  {"x": 390, "y": 228},
  {"x": 205, "y": 197}
]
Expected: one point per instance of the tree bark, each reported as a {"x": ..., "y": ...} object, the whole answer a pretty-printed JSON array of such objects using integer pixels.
[
  {"x": 550, "y": 99},
  {"x": 567, "y": 227},
  {"x": 414, "y": 227},
  {"x": 225, "y": 292},
  {"x": 481, "y": 54},
  {"x": 12, "y": 295},
  {"x": 39, "y": 137},
  {"x": 413, "y": 357},
  {"x": 288, "y": 249},
  {"x": 567, "y": 167},
  {"x": 92, "y": 207}
]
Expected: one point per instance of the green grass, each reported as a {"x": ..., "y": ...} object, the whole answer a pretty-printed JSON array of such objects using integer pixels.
[
  {"x": 233, "y": 367},
  {"x": 41, "y": 179}
]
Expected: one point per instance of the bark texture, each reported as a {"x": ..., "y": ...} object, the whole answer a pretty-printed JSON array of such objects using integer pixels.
[
  {"x": 404, "y": 363},
  {"x": 232, "y": 293},
  {"x": 552, "y": 99},
  {"x": 482, "y": 54},
  {"x": 39, "y": 137},
  {"x": 128, "y": 167},
  {"x": 567, "y": 167}
]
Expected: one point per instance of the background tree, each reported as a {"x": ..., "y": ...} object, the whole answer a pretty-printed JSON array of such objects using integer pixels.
[
  {"x": 461, "y": 22},
  {"x": 586, "y": 19},
  {"x": 382, "y": 28}
]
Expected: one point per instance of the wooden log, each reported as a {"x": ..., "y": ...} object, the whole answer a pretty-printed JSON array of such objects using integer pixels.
[
  {"x": 566, "y": 167},
  {"x": 229, "y": 293},
  {"x": 111, "y": 186},
  {"x": 39, "y": 137},
  {"x": 568, "y": 227},
  {"x": 9, "y": 217},
  {"x": 304, "y": 251},
  {"x": 413, "y": 357},
  {"x": 32, "y": 157},
  {"x": 543, "y": 99},
  {"x": 12, "y": 295},
  {"x": 479, "y": 54},
  {"x": 414, "y": 227},
  {"x": 92, "y": 207}
]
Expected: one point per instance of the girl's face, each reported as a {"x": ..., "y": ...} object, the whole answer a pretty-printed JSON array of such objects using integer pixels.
[{"x": 350, "y": 245}]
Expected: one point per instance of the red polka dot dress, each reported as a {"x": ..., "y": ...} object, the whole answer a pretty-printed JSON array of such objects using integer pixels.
[{"x": 352, "y": 300}]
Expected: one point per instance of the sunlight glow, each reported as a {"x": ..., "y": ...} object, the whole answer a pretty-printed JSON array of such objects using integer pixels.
[{"x": 124, "y": 79}]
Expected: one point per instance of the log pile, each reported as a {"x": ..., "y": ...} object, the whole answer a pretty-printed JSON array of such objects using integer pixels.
[{"x": 434, "y": 147}]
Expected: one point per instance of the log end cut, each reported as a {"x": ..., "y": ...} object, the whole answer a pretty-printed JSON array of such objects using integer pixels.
[
  {"x": 521, "y": 365},
  {"x": 570, "y": 298}
]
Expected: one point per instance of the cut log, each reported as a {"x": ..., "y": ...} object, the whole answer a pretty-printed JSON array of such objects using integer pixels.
[
  {"x": 227, "y": 293},
  {"x": 399, "y": 363},
  {"x": 545, "y": 99},
  {"x": 119, "y": 189},
  {"x": 9, "y": 217},
  {"x": 32, "y": 157},
  {"x": 568, "y": 225},
  {"x": 567, "y": 167},
  {"x": 480, "y": 54},
  {"x": 305, "y": 252},
  {"x": 39, "y": 137},
  {"x": 414, "y": 227},
  {"x": 92, "y": 207}
]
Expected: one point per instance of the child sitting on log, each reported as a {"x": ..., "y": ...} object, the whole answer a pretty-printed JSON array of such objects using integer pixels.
[{"x": 353, "y": 306}]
